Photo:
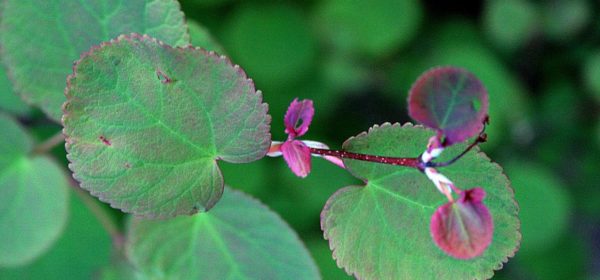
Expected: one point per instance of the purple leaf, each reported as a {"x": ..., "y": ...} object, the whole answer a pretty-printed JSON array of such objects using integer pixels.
[
  {"x": 297, "y": 156},
  {"x": 298, "y": 117},
  {"x": 464, "y": 228},
  {"x": 450, "y": 100}
]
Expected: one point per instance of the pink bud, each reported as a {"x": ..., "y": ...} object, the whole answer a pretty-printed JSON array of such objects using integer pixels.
[
  {"x": 464, "y": 228},
  {"x": 298, "y": 117},
  {"x": 297, "y": 156}
]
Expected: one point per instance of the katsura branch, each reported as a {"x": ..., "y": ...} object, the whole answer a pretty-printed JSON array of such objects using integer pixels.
[{"x": 408, "y": 162}]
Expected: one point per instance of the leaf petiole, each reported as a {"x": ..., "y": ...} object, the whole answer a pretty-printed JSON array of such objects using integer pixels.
[
  {"x": 480, "y": 139},
  {"x": 408, "y": 162}
]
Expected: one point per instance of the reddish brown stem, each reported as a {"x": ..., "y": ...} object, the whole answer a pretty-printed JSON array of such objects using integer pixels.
[{"x": 408, "y": 162}]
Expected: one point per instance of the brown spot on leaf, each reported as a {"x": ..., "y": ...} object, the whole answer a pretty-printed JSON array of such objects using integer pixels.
[
  {"x": 163, "y": 77},
  {"x": 104, "y": 140},
  {"x": 127, "y": 165}
]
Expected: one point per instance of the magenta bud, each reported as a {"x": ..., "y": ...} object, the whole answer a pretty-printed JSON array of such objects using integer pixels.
[
  {"x": 298, "y": 117},
  {"x": 297, "y": 156}
]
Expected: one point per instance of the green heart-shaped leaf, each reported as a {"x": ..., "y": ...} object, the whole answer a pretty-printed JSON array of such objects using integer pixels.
[
  {"x": 33, "y": 198},
  {"x": 370, "y": 27},
  {"x": 41, "y": 39},
  {"x": 146, "y": 123},
  {"x": 381, "y": 230},
  {"x": 238, "y": 239}
]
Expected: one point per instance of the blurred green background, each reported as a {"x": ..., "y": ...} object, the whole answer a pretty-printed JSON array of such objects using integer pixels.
[{"x": 540, "y": 61}]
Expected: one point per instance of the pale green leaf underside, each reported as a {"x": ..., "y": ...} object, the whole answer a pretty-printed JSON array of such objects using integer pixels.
[
  {"x": 33, "y": 198},
  {"x": 41, "y": 39},
  {"x": 381, "y": 231},
  {"x": 238, "y": 239},
  {"x": 146, "y": 124}
]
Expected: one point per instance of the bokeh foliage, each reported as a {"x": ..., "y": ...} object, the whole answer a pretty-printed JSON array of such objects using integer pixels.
[{"x": 539, "y": 61}]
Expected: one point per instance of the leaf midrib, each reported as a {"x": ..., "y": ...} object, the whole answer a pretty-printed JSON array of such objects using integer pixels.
[
  {"x": 454, "y": 91},
  {"x": 399, "y": 197},
  {"x": 375, "y": 185},
  {"x": 170, "y": 130},
  {"x": 214, "y": 233}
]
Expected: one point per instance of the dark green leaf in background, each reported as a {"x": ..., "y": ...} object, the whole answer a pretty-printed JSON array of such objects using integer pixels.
[
  {"x": 564, "y": 19},
  {"x": 33, "y": 198},
  {"x": 239, "y": 239},
  {"x": 319, "y": 249},
  {"x": 309, "y": 194},
  {"x": 591, "y": 74},
  {"x": 375, "y": 28},
  {"x": 510, "y": 24},
  {"x": 564, "y": 258},
  {"x": 41, "y": 39},
  {"x": 381, "y": 230},
  {"x": 545, "y": 205},
  {"x": 146, "y": 123},
  {"x": 9, "y": 101},
  {"x": 272, "y": 42},
  {"x": 78, "y": 254},
  {"x": 201, "y": 37}
]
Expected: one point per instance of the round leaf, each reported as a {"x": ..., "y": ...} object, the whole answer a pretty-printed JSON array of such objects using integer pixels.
[
  {"x": 381, "y": 230},
  {"x": 451, "y": 100},
  {"x": 273, "y": 42},
  {"x": 9, "y": 101},
  {"x": 591, "y": 74},
  {"x": 564, "y": 19},
  {"x": 510, "y": 24},
  {"x": 375, "y": 28},
  {"x": 463, "y": 228},
  {"x": 63, "y": 29},
  {"x": 146, "y": 123},
  {"x": 33, "y": 198},
  {"x": 540, "y": 194},
  {"x": 78, "y": 254},
  {"x": 238, "y": 239}
]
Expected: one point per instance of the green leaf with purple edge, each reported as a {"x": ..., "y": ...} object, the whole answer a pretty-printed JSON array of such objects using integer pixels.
[
  {"x": 239, "y": 239},
  {"x": 382, "y": 230},
  {"x": 146, "y": 124},
  {"x": 451, "y": 100},
  {"x": 63, "y": 29}
]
